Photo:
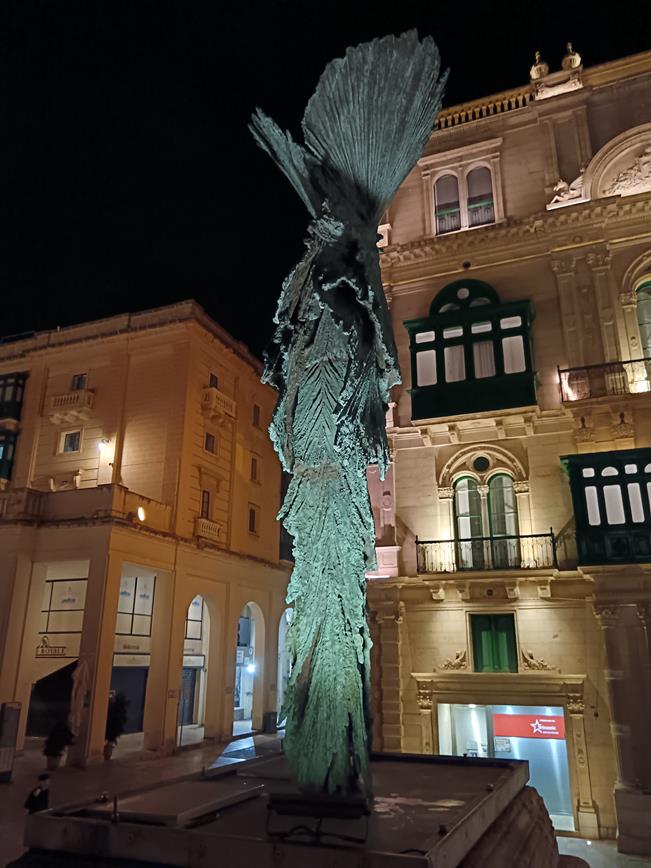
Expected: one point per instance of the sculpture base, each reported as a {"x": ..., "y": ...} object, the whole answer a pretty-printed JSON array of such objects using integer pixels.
[{"x": 427, "y": 811}]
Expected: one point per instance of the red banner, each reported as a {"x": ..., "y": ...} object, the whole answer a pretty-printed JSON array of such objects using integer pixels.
[{"x": 529, "y": 725}]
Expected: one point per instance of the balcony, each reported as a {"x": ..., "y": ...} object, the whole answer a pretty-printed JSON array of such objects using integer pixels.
[
  {"x": 600, "y": 381},
  {"x": 12, "y": 387},
  {"x": 209, "y": 530},
  {"x": 216, "y": 405},
  {"x": 524, "y": 552},
  {"x": 72, "y": 407}
]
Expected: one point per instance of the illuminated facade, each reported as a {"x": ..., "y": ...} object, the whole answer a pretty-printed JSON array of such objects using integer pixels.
[
  {"x": 138, "y": 502},
  {"x": 511, "y": 607}
]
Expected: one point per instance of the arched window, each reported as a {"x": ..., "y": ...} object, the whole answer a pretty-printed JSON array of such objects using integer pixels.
[
  {"x": 481, "y": 208},
  {"x": 503, "y": 517},
  {"x": 446, "y": 204},
  {"x": 468, "y": 338},
  {"x": 644, "y": 316},
  {"x": 469, "y": 525}
]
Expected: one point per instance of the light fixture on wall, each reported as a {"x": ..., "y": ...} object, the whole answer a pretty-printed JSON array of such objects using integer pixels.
[
  {"x": 142, "y": 515},
  {"x": 103, "y": 444},
  {"x": 250, "y": 668}
]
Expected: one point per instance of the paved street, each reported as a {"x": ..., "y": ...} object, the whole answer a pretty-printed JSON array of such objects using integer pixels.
[
  {"x": 124, "y": 773},
  {"x": 131, "y": 770}
]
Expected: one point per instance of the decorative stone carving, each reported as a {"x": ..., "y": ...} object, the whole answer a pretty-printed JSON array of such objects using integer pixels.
[
  {"x": 583, "y": 433},
  {"x": 599, "y": 260},
  {"x": 459, "y": 661},
  {"x": 606, "y": 614},
  {"x": 572, "y": 59},
  {"x": 446, "y": 493},
  {"x": 635, "y": 179},
  {"x": 623, "y": 430},
  {"x": 565, "y": 193},
  {"x": 628, "y": 299},
  {"x": 521, "y": 487},
  {"x": 424, "y": 691},
  {"x": 531, "y": 662},
  {"x": 644, "y": 614},
  {"x": 539, "y": 69},
  {"x": 575, "y": 703}
]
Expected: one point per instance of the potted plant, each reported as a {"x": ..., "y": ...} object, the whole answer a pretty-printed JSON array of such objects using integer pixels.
[
  {"x": 57, "y": 743},
  {"x": 116, "y": 721}
]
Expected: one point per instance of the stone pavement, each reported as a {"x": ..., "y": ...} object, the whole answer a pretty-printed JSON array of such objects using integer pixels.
[{"x": 125, "y": 773}]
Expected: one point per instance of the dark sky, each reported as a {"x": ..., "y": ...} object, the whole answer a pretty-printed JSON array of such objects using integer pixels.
[{"x": 129, "y": 178}]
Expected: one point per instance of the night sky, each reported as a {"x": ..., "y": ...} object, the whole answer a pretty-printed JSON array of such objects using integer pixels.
[{"x": 129, "y": 178}]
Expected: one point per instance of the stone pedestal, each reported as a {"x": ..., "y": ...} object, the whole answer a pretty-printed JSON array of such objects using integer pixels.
[{"x": 634, "y": 821}]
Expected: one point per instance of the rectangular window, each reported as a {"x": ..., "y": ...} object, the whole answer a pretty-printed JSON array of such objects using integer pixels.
[
  {"x": 493, "y": 643},
  {"x": 635, "y": 500},
  {"x": 253, "y": 519},
  {"x": 478, "y": 328},
  {"x": 614, "y": 504},
  {"x": 255, "y": 469},
  {"x": 205, "y": 504},
  {"x": 78, "y": 382},
  {"x": 425, "y": 337},
  {"x": 455, "y": 364},
  {"x": 210, "y": 443},
  {"x": 426, "y": 368},
  {"x": 510, "y": 322},
  {"x": 256, "y": 416},
  {"x": 592, "y": 505},
  {"x": 69, "y": 441},
  {"x": 7, "y": 447},
  {"x": 483, "y": 359},
  {"x": 453, "y": 332},
  {"x": 213, "y": 381},
  {"x": 513, "y": 349}
]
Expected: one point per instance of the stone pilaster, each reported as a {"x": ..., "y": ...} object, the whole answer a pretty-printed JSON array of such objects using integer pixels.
[
  {"x": 587, "y": 815},
  {"x": 389, "y": 633},
  {"x": 428, "y": 727}
]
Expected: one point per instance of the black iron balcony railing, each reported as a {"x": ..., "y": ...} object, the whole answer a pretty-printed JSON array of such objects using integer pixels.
[
  {"x": 528, "y": 551},
  {"x": 611, "y": 378}
]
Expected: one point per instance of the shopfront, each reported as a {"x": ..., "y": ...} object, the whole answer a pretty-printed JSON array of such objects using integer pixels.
[{"x": 534, "y": 733}]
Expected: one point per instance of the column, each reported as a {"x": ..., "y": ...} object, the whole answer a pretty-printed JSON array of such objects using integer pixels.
[
  {"x": 485, "y": 523},
  {"x": 600, "y": 265},
  {"x": 96, "y": 650},
  {"x": 23, "y": 656},
  {"x": 446, "y": 557},
  {"x": 527, "y": 546},
  {"x": 164, "y": 654},
  {"x": 429, "y": 737},
  {"x": 627, "y": 678},
  {"x": 390, "y": 641},
  {"x": 628, "y": 304},
  {"x": 564, "y": 269},
  {"x": 587, "y": 815}
]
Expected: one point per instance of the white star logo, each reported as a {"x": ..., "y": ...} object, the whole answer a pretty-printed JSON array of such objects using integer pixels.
[{"x": 536, "y": 726}]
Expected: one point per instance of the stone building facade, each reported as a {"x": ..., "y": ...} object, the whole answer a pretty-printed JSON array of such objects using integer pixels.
[
  {"x": 511, "y": 604},
  {"x": 138, "y": 502}
]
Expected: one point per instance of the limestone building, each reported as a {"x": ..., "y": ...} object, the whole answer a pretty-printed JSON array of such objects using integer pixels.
[
  {"x": 138, "y": 501},
  {"x": 511, "y": 608}
]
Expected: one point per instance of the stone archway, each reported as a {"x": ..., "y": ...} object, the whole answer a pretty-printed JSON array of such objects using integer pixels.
[{"x": 248, "y": 693}]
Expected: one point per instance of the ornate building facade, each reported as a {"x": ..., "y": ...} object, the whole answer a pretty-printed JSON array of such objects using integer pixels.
[
  {"x": 140, "y": 548},
  {"x": 512, "y": 601}
]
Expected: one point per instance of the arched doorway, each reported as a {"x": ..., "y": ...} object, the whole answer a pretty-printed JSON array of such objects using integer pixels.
[
  {"x": 194, "y": 673},
  {"x": 249, "y": 670},
  {"x": 284, "y": 660}
]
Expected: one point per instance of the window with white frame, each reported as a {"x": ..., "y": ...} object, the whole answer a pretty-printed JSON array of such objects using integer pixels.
[
  {"x": 69, "y": 442},
  {"x": 462, "y": 188}
]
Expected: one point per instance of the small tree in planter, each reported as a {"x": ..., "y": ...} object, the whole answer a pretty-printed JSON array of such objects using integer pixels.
[
  {"x": 116, "y": 721},
  {"x": 57, "y": 743}
]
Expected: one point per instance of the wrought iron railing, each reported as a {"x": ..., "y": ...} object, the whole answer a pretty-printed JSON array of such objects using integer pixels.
[
  {"x": 447, "y": 220},
  {"x": 480, "y": 211},
  {"x": 527, "y": 551},
  {"x": 611, "y": 378}
]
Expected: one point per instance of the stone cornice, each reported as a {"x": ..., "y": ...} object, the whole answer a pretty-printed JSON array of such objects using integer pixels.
[{"x": 544, "y": 233}]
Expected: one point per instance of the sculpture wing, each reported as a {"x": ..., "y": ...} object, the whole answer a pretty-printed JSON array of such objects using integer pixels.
[
  {"x": 289, "y": 156},
  {"x": 372, "y": 113}
]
